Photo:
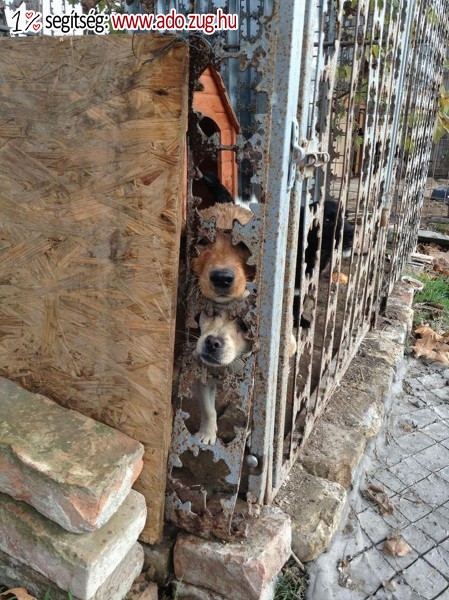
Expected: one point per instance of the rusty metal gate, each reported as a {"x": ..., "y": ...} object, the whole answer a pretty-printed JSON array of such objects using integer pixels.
[{"x": 337, "y": 101}]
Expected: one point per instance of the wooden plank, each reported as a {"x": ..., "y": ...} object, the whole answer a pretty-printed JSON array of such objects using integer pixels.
[{"x": 90, "y": 214}]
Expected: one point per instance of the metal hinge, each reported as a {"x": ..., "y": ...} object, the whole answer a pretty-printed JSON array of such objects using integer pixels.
[{"x": 299, "y": 157}]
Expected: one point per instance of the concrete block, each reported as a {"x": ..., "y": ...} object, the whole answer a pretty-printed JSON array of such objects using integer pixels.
[
  {"x": 333, "y": 452},
  {"x": 14, "y": 573},
  {"x": 241, "y": 569},
  {"x": 315, "y": 506},
  {"x": 72, "y": 469},
  {"x": 355, "y": 409},
  {"x": 79, "y": 563}
]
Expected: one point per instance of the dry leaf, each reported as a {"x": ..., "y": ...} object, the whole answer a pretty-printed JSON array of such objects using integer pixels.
[
  {"x": 396, "y": 546},
  {"x": 441, "y": 265},
  {"x": 19, "y": 593},
  {"x": 150, "y": 593},
  {"x": 341, "y": 278},
  {"x": 408, "y": 427},
  {"x": 426, "y": 332},
  {"x": 390, "y": 586},
  {"x": 431, "y": 345},
  {"x": 380, "y": 497}
]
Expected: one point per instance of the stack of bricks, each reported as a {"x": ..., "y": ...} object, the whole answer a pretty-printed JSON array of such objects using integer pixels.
[{"x": 69, "y": 519}]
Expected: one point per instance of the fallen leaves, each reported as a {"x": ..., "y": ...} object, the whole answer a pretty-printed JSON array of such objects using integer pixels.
[
  {"x": 431, "y": 345},
  {"x": 396, "y": 545},
  {"x": 341, "y": 278},
  {"x": 441, "y": 265},
  {"x": 408, "y": 427},
  {"x": 380, "y": 497},
  {"x": 16, "y": 594}
]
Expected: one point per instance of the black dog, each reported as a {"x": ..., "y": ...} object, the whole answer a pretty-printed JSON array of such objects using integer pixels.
[
  {"x": 217, "y": 189},
  {"x": 330, "y": 238},
  {"x": 331, "y": 232}
]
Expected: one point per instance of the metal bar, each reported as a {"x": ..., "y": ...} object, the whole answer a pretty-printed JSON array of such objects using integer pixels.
[{"x": 286, "y": 72}]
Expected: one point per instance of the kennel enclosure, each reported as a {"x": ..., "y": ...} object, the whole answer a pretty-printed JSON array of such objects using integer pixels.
[{"x": 334, "y": 99}]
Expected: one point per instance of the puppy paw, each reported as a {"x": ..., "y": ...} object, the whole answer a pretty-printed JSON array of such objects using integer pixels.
[{"x": 207, "y": 435}]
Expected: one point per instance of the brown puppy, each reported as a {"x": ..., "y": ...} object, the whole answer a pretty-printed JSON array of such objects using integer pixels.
[
  {"x": 221, "y": 266},
  {"x": 222, "y": 341}
]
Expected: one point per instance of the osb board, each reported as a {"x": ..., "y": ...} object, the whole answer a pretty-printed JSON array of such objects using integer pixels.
[{"x": 91, "y": 155}]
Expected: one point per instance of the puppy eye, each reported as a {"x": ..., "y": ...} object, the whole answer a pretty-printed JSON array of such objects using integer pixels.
[
  {"x": 243, "y": 328},
  {"x": 203, "y": 242}
]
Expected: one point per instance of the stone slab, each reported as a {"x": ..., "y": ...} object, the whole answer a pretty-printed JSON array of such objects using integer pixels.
[
  {"x": 315, "y": 506},
  {"x": 355, "y": 409},
  {"x": 333, "y": 452},
  {"x": 240, "y": 569},
  {"x": 14, "y": 573},
  {"x": 72, "y": 469},
  {"x": 79, "y": 563}
]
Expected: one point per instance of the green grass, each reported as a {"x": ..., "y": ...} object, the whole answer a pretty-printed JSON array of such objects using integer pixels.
[
  {"x": 292, "y": 584},
  {"x": 441, "y": 227},
  {"x": 436, "y": 290}
]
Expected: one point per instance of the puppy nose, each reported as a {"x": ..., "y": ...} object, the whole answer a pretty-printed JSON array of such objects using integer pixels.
[
  {"x": 213, "y": 343},
  {"x": 222, "y": 278}
]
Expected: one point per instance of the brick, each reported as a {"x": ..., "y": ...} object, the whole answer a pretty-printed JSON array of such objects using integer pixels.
[
  {"x": 186, "y": 591},
  {"x": 72, "y": 469},
  {"x": 159, "y": 559},
  {"x": 14, "y": 573},
  {"x": 80, "y": 563},
  {"x": 333, "y": 452},
  {"x": 237, "y": 570}
]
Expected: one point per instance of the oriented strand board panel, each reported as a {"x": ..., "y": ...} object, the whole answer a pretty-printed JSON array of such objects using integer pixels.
[{"x": 91, "y": 163}]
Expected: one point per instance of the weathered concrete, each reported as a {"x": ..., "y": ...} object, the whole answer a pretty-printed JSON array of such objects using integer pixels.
[
  {"x": 237, "y": 570},
  {"x": 14, "y": 573},
  {"x": 333, "y": 452},
  {"x": 79, "y": 563},
  {"x": 379, "y": 346},
  {"x": 369, "y": 375},
  {"x": 315, "y": 506},
  {"x": 72, "y": 469},
  {"x": 356, "y": 410}
]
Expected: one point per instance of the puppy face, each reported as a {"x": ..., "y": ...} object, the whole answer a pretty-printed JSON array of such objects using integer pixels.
[
  {"x": 222, "y": 340},
  {"x": 221, "y": 266}
]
